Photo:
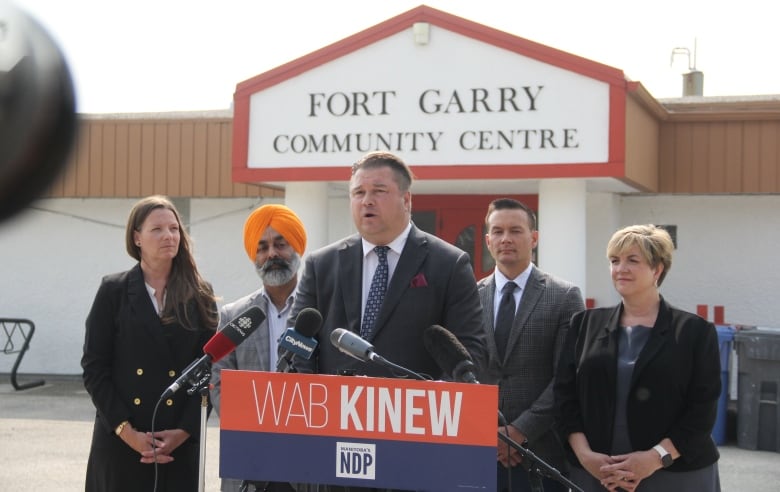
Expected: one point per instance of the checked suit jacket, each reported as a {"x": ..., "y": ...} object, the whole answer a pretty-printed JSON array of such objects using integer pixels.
[
  {"x": 253, "y": 353},
  {"x": 433, "y": 284},
  {"x": 525, "y": 374}
]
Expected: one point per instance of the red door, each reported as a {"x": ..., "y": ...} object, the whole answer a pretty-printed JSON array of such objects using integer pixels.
[
  {"x": 460, "y": 220},
  {"x": 465, "y": 228}
]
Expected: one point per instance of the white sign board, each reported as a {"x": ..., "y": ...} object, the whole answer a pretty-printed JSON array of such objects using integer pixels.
[{"x": 453, "y": 101}]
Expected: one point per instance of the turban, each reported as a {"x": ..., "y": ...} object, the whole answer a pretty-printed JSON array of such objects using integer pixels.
[{"x": 282, "y": 219}]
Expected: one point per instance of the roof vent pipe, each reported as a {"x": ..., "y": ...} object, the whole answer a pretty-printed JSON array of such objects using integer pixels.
[{"x": 693, "y": 81}]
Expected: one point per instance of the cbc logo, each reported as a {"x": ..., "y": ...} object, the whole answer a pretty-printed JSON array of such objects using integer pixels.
[{"x": 356, "y": 460}]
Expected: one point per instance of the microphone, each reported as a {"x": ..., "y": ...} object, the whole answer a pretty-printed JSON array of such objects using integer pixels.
[
  {"x": 352, "y": 345},
  {"x": 299, "y": 341},
  {"x": 453, "y": 358},
  {"x": 221, "y": 344},
  {"x": 450, "y": 355},
  {"x": 357, "y": 347}
]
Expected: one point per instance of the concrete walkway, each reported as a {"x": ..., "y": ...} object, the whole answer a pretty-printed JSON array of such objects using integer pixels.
[{"x": 45, "y": 434}]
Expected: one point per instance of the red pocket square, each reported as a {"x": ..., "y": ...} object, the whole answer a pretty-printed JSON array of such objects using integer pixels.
[{"x": 418, "y": 281}]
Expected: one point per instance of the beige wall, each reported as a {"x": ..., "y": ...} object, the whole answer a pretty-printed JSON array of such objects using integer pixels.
[
  {"x": 179, "y": 155},
  {"x": 642, "y": 129},
  {"x": 721, "y": 147}
]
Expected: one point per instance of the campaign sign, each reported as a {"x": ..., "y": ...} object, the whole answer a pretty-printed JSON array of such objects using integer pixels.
[{"x": 358, "y": 431}]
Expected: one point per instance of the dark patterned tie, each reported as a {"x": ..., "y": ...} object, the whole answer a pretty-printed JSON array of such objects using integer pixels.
[
  {"x": 505, "y": 317},
  {"x": 376, "y": 294}
]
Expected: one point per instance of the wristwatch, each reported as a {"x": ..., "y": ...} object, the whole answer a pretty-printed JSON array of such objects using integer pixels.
[
  {"x": 120, "y": 427},
  {"x": 666, "y": 458}
]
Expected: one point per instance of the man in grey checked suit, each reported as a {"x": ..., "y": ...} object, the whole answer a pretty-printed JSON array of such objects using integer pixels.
[
  {"x": 274, "y": 239},
  {"x": 524, "y": 364}
]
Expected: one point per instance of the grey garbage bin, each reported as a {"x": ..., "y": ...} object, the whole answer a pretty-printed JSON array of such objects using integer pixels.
[{"x": 758, "y": 388}]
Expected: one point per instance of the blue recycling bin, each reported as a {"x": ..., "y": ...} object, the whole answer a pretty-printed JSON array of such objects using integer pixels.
[{"x": 725, "y": 340}]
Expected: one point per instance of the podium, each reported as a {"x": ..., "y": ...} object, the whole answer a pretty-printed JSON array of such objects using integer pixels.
[{"x": 358, "y": 431}]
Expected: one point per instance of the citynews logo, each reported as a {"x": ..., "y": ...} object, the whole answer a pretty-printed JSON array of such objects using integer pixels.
[
  {"x": 355, "y": 460},
  {"x": 299, "y": 342}
]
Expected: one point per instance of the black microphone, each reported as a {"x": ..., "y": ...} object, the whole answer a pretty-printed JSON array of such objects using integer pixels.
[
  {"x": 38, "y": 120},
  {"x": 450, "y": 355},
  {"x": 222, "y": 343},
  {"x": 357, "y": 347},
  {"x": 453, "y": 358},
  {"x": 299, "y": 341}
]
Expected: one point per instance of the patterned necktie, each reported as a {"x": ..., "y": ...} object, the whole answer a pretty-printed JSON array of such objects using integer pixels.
[
  {"x": 505, "y": 317},
  {"x": 376, "y": 294}
]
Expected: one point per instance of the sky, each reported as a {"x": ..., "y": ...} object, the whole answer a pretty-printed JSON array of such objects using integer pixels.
[{"x": 188, "y": 55}]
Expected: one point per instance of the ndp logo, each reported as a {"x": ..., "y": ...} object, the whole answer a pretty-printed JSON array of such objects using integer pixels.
[{"x": 355, "y": 460}]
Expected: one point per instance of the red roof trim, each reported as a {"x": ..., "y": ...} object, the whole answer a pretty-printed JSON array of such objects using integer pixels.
[
  {"x": 522, "y": 171},
  {"x": 617, "y": 130},
  {"x": 444, "y": 20}
]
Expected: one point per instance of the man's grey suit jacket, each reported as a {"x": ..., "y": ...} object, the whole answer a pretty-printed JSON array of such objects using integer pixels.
[{"x": 525, "y": 374}]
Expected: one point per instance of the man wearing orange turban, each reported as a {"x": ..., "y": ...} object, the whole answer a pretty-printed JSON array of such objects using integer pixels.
[
  {"x": 279, "y": 217},
  {"x": 274, "y": 240}
]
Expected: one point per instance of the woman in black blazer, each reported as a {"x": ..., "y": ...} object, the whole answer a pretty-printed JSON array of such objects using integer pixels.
[
  {"x": 638, "y": 384},
  {"x": 145, "y": 326}
]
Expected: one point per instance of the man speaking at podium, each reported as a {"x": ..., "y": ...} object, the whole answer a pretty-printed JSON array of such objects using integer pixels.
[
  {"x": 274, "y": 239},
  {"x": 389, "y": 282}
]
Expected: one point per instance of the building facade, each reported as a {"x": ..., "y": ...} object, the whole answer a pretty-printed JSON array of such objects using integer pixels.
[{"x": 477, "y": 113}]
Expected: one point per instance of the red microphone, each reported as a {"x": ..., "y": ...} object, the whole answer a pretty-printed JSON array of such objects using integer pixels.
[
  {"x": 233, "y": 333},
  {"x": 220, "y": 345}
]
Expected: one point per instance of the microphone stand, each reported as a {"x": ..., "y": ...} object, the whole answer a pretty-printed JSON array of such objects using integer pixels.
[
  {"x": 288, "y": 366},
  {"x": 537, "y": 468},
  {"x": 202, "y": 386},
  {"x": 374, "y": 357}
]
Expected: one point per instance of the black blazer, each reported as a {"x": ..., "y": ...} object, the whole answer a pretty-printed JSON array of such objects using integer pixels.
[
  {"x": 674, "y": 388},
  {"x": 130, "y": 358},
  {"x": 433, "y": 283}
]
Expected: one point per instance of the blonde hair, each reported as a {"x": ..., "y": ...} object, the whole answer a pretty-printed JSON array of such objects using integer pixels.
[{"x": 654, "y": 243}]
